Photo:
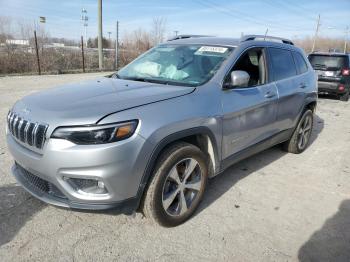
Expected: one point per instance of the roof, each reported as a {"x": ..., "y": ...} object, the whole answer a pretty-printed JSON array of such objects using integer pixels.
[
  {"x": 220, "y": 41},
  {"x": 234, "y": 42},
  {"x": 186, "y": 36}
]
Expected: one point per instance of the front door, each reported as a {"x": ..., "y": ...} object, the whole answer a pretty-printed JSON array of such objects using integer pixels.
[{"x": 249, "y": 113}]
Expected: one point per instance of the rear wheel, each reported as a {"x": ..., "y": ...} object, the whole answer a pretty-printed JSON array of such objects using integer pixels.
[
  {"x": 177, "y": 185},
  {"x": 345, "y": 97},
  {"x": 301, "y": 136}
]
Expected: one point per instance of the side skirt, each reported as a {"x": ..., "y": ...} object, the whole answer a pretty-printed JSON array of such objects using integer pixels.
[{"x": 254, "y": 149}]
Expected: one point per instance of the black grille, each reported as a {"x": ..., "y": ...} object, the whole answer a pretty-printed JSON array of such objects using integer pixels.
[
  {"x": 33, "y": 134},
  {"x": 40, "y": 184}
]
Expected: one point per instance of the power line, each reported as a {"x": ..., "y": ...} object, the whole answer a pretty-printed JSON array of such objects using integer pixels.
[
  {"x": 293, "y": 9},
  {"x": 245, "y": 17},
  {"x": 262, "y": 20}
]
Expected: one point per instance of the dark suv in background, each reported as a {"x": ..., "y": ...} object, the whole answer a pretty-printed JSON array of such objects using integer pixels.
[{"x": 333, "y": 71}]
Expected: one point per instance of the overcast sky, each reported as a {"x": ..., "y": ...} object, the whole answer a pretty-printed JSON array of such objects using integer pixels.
[{"x": 293, "y": 19}]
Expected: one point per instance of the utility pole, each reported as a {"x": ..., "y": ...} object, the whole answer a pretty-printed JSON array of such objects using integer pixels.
[
  {"x": 346, "y": 38},
  {"x": 316, "y": 33},
  {"x": 84, "y": 19},
  {"x": 82, "y": 53},
  {"x": 117, "y": 46},
  {"x": 100, "y": 53},
  {"x": 37, "y": 52},
  {"x": 109, "y": 36}
]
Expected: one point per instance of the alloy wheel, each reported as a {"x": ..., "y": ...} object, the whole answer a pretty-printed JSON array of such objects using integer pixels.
[
  {"x": 182, "y": 187},
  {"x": 304, "y": 132}
]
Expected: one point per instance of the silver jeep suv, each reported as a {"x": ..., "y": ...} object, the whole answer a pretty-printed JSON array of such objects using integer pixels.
[{"x": 150, "y": 136}]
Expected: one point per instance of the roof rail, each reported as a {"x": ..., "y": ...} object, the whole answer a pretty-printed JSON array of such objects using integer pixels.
[
  {"x": 186, "y": 36},
  {"x": 265, "y": 38}
]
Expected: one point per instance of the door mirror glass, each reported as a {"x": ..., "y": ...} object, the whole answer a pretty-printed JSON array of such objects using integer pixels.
[{"x": 238, "y": 78}]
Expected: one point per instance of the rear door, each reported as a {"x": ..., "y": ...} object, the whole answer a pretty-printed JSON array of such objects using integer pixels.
[{"x": 291, "y": 89}]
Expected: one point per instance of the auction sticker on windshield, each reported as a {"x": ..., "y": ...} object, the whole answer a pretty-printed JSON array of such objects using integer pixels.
[{"x": 213, "y": 49}]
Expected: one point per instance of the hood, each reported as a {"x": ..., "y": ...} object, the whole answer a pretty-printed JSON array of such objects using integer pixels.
[{"x": 86, "y": 102}]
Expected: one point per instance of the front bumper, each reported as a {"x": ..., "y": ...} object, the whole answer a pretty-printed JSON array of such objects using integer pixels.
[{"x": 119, "y": 165}]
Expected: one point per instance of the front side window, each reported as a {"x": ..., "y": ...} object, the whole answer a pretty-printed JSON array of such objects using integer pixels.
[
  {"x": 300, "y": 63},
  {"x": 191, "y": 65},
  {"x": 282, "y": 63},
  {"x": 252, "y": 62}
]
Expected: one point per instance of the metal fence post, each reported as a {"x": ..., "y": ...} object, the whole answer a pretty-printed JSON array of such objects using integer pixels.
[{"x": 116, "y": 65}]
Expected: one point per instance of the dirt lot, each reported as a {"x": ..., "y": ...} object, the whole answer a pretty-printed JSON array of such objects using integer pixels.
[{"x": 271, "y": 207}]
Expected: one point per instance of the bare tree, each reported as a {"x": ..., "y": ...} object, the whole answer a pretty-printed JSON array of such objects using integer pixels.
[
  {"x": 5, "y": 28},
  {"x": 158, "y": 30},
  {"x": 323, "y": 44},
  {"x": 25, "y": 29}
]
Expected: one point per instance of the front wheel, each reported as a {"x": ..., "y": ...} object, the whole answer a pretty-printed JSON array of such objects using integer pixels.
[
  {"x": 177, "y": 185},
  {"x": 301, "y": 136}
]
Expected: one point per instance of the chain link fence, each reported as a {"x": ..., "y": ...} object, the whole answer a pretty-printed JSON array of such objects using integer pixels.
[
  {"x": 59, "y": 59},
  {"x": 17, "y": 59}
]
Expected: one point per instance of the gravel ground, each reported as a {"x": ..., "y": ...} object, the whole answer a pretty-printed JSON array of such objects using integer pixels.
[{"x": 271, "y": 207}]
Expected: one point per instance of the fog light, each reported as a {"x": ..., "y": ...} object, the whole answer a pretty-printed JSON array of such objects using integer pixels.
[{"x": 89, "y": 186}]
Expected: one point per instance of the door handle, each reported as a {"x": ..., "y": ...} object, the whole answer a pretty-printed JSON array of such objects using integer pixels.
[
  {"x": 270, "y": 94},
  {"x": 302, "y": 85}
]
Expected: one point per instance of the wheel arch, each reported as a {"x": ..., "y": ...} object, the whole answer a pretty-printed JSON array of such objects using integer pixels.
[
  {"x": 311, "y": 105},
  {"x": 201, "y": 137}
]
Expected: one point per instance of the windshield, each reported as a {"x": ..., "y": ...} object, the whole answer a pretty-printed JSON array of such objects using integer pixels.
[
  {"x": 190, "y": 65},
  {"x": 325, "y": 62}
]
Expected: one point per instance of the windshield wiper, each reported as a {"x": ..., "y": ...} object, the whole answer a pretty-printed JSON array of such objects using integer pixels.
[
  {"x": 147, "y": 80},
  {"x": 157, "y": 81}
]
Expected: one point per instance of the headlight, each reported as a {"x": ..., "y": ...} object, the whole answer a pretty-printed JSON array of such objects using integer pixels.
[{"x": 87, "y": 135}]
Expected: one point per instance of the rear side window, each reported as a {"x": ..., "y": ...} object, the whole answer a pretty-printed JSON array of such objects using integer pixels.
[
  {"x": 328, "y": 62},
  {"x": 282, "y": 63},
  {"x": 300, "y": 63}
]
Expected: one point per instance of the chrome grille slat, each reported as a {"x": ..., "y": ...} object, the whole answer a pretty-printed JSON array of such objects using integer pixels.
[
  {"x": 26, "y": 132},
  {"x": 10, "y": 122},
  {"x": 16, "y": 126},
  {"x": 32, "y": 134},
  {"x": 9, "y": 115},
  {"x": 19, "y": 129},
  {"x": 35, "y": 130},
  {"x": 42, "y": 137},
  {"x": 13, "y": 124}
]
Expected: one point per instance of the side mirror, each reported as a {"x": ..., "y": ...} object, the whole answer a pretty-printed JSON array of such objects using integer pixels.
[{"x": 238, "y": 78}]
